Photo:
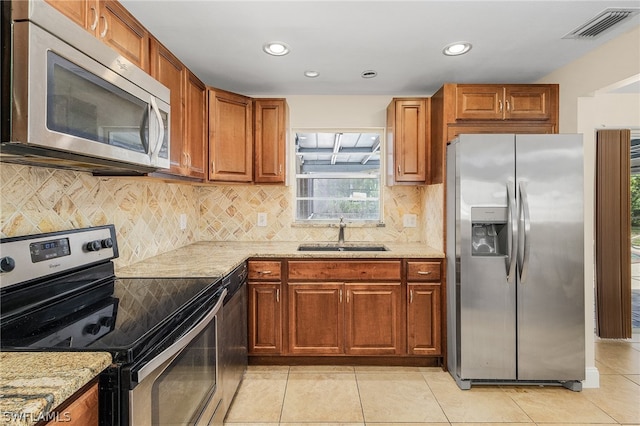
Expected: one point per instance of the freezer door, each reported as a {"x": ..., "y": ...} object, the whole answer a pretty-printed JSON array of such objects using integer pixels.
[
  {"x": 551, "y": 309},
  {"x": 486, "y": 311}
]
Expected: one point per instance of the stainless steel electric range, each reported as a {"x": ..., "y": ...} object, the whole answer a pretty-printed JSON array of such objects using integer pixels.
[{"x": 58, "y": 292}]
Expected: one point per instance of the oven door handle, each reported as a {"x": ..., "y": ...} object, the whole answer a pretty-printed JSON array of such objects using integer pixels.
[{"x": 181, "y": 343}]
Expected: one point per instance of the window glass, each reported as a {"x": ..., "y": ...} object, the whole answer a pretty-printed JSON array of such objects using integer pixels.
[{"x": 338, "y": 175}]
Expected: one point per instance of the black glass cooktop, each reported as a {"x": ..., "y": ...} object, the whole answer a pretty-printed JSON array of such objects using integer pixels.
[{"x": 125, "y": 316}]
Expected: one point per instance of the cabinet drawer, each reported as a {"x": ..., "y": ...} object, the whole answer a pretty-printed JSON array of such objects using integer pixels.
[
  {"x": 423, "y": 271},
  {"x": 265, "y": 270},
  {"x": 344, "y": 270}
]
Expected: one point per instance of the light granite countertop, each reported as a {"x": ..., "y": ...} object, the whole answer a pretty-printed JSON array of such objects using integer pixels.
[
  {"x": 33, "y": 384},
  {"x": 215, "y": 259}
]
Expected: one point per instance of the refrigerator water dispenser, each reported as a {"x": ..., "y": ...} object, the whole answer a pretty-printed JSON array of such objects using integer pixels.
[{"x": 489, "y": 231}]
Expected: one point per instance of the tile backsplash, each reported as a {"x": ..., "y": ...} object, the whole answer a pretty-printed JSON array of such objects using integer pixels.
[{"x": 146, "y": 212}]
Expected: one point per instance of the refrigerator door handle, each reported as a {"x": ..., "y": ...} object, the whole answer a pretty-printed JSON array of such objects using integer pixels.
[
  {"x": 512, "y": 223},
  {"x": 525, "y": 222}
]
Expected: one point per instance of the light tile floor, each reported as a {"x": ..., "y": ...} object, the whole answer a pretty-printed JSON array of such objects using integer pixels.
[{"x": 407, "y": 396}]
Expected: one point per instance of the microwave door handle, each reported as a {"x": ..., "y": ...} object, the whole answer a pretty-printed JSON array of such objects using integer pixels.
[
  {"x": 143, "y": 129},
  {"x": 158, "y": 145},
  {"x": 179, "y": 345}
]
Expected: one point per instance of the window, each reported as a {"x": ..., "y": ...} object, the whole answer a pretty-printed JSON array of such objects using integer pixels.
[{"x": 338, "y": 175}]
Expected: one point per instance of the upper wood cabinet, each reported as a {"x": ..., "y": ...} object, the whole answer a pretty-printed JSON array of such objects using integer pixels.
[
  {"x": 488, "y": 108},
  {"x": 195, "y": 132},
  {"x": 408, "y": 140},
  {"x": 230, "y": 137},
  {"x": 270, "y": 136},
  {"x": 511, "y": 102},
  {"x": 168, "y": 70},
  {"x": 113, "y": 24}
]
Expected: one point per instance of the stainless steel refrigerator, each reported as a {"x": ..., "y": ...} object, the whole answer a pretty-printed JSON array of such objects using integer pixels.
[{"x": 515, "y": 244}]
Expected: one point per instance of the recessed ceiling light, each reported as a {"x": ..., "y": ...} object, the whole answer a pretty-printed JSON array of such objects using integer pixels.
[
  {"x": 457, "y": 48},
  {"x": 276, "y": 48},
  {"x": 311, "y": 74},
  {"x": 369, "y": 74}
]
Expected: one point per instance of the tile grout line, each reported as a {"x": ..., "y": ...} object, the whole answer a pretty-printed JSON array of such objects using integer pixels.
[
  {"x": 435, "y": 397},
  {"x": 284, "y": 395}
]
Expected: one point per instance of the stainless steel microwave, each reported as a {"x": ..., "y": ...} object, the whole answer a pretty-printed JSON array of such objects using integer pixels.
[{"x": 73, "y": 101}]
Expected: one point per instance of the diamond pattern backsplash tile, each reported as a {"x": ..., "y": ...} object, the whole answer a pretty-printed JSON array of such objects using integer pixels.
[{"x": 146, "y": 212}]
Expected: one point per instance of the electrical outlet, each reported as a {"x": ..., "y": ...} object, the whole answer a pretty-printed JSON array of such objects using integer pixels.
[
  {"x": 183, "y": 221},
  {"x": 409, "y": 221},
  {"x": 262, "y": 219}
]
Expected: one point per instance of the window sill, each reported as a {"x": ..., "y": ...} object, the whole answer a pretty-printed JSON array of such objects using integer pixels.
[{"x": 334, "y": 224}]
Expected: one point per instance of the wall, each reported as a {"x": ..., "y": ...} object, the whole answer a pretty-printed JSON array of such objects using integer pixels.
[{"x": 586, "y": 105}]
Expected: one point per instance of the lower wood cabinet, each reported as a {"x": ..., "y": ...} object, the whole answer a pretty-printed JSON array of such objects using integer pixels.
[
  {"x": 374, "y": 319},
  {"x": 81, "y": 410},
  {"x": 265, "y": 308},
  {"x": 424, "y": 307},
  {"x": 340, "y": 307},
  {"x": 316, "y": 318}
]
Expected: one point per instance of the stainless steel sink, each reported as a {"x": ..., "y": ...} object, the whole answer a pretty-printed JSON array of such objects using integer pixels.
[{"x": 342, "y": 247}]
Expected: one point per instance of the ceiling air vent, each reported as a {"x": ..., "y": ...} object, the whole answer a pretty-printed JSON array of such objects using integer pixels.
[{"x": 604, "y": 21}]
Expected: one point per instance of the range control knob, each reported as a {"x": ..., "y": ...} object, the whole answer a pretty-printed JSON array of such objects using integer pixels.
[
  {"x": 92, "y": 329},
  {"x": 7, "y": 264},
  {"x": 106, "y": 243},
  {"x": 94, "y": 245}
]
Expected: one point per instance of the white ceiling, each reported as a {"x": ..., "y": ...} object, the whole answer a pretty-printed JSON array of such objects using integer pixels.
[{"x": 513, "y": 42}]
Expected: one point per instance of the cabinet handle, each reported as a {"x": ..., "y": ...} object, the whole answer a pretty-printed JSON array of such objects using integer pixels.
[
  {"x": 185, "y": 160},
  {"x": 277, "y": 295},
  {"x": 348, "y": 296},
  {"x": 280, "y": 169},
  {"x": 399, "y": 170},
  {"x": 500, "y": 106},
  {"x": 410, "y": 296},
  {"x": 94, "y": 25},
  {"x": 340, "y": 292},
  {"x": 106, "y": 26},
  {"x": 213, "y": 166},
  {"x": 264, "y": 272},
  {"x": 424, "y": 272},
  {"x": 508, "y": 106}
]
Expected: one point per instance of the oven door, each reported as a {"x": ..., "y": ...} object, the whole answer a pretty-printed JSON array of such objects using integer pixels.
[{"x": 181, "y": 385}]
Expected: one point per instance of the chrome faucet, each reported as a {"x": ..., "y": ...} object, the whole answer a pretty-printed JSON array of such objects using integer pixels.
[{"x": 341, "y": 225}]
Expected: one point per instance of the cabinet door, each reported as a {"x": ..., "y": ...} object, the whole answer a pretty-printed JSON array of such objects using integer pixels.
[
  {"x": 265, "y": 318},
  {"x": 230, "y": 137},
  {"x": 423, "y": 319},
  {"x": 316, "y": 318},
  {"x": 120, "y": 30},
  {"x": 527, "y": 102},
  {"x": 479, "y": 102},
  {"x": 168, "y": 70},
  {"x": 270, "y": 133},
  {"x": 195, "y": 133},
  {"x": 374, "y": 319},
  {"x": 82, "y": 12},
  {"x": 410, "y": 140}
]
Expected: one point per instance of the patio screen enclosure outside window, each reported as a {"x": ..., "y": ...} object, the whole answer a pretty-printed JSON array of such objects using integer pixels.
[{"x": 338, "y": 175}]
